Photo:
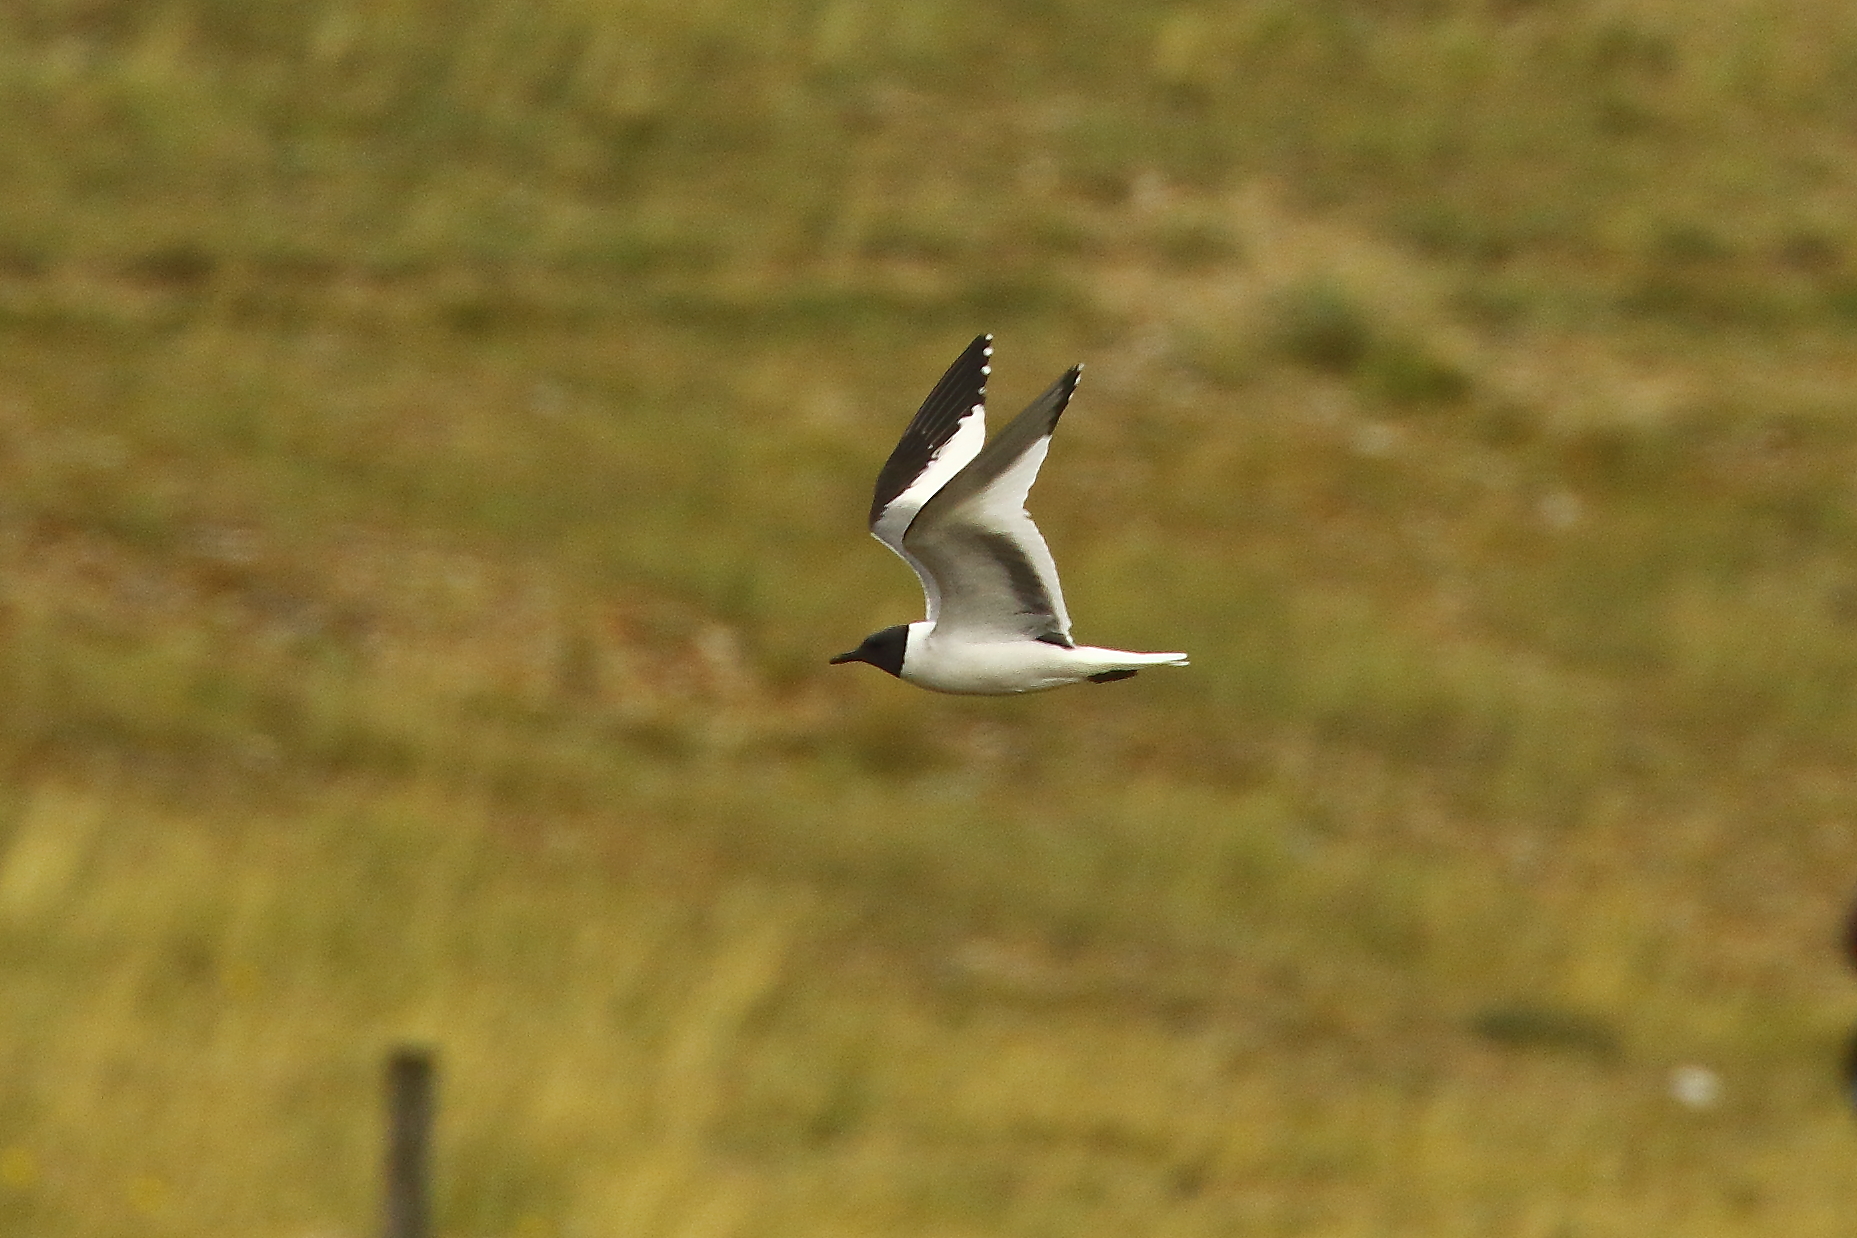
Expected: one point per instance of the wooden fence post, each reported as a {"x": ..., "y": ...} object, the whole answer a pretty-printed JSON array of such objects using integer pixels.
[{"x": 407, "y": 1210}]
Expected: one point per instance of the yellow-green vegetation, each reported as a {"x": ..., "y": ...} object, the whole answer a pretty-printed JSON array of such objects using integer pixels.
[{"x": 434, "y": 440}]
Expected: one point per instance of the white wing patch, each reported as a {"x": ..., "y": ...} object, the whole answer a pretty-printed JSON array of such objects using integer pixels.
[
  {"x": 945, "y": 435},
  {"x": 962, "y": 446}
]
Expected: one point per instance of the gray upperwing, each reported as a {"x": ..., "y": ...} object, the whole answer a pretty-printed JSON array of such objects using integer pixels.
[{"x": 994, "y": 572}]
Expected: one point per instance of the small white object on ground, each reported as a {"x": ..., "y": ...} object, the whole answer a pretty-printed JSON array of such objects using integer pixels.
[{"x": 1695, "y": 1087}]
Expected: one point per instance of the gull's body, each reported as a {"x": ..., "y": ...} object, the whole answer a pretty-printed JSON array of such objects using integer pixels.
[{"x": 954, "y": 510}]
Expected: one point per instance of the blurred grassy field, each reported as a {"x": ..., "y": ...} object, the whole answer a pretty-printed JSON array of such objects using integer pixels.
[{"x": 434, "y": 439}]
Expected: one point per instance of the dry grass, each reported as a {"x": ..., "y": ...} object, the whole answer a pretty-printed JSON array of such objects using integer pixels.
[{"x": 432, "y": 435}]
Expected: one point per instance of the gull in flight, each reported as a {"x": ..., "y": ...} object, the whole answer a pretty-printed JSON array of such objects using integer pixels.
[{"x": 955, "y": 511}]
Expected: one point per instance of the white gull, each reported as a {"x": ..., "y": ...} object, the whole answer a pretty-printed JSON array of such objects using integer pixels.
[{"x": 955, "y": 511}]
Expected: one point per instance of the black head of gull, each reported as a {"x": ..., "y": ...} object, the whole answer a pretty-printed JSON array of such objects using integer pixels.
[{"x": 883, "y": 650}]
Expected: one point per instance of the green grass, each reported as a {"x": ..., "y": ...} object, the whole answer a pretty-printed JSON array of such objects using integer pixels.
[{"x": 433, "y": 440}]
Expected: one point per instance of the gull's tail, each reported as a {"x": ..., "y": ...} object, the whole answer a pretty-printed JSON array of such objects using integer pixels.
[{"x": 1113, "y": 664}]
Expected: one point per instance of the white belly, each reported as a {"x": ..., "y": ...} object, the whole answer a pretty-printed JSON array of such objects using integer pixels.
[
  {"x": 1000, "y": 668},
  {"x": 990, "y": 669}
]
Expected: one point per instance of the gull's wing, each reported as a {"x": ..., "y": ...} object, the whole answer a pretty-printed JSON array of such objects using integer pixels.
[
  {"x": 994, "y": 573},
  {"x": 944, "y": 436}
]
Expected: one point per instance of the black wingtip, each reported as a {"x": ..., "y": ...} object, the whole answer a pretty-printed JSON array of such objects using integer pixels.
[
  {"x": 1057, "y": 397},
  {"x": 960, "y": 389}
]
